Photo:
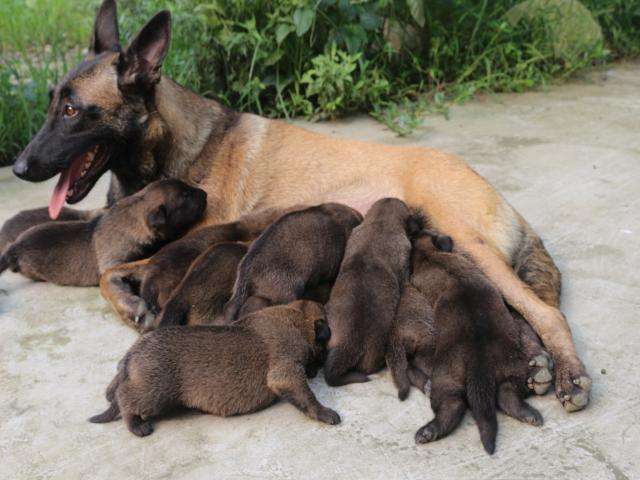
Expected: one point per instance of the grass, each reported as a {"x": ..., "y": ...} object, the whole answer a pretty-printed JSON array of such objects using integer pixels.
[{"x": 395, "y": 59}]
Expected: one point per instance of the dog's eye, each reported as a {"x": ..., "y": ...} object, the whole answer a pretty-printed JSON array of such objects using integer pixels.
[{"x": 69, "y": 110}]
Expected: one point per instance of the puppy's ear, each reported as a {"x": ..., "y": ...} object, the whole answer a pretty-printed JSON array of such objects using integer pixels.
[
  {"x": 323, "y": 332},
  {"x": 157, "y": 218},
  {"x": 139, "y": 65},
  {"x": 415, "y": 224},
  {"x": 443, "y": 243}
]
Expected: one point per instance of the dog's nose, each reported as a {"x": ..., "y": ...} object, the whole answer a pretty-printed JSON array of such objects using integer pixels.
[{"x": 21, "y": 168}]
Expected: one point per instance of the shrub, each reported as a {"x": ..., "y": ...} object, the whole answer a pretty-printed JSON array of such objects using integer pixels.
[{"x": 320, "y": 59}]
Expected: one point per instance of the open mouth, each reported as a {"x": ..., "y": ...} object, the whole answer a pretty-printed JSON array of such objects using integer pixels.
[{"x": 78, "y": 179}]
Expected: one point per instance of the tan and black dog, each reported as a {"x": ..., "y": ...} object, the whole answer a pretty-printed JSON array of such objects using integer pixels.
[
  {"x": 366, "y": 293},
  {"x": 116, "y": 112},
  {"x": 138, "y": 291},
  {"x": 24, "y": 220},
  {"x": 299, "y": 251},
  {"x": 200, "y": 297},
  {"x": 223, "y": 370},
  {"x": 77, "y": 252},
  {"x": 453, "y": 327}
]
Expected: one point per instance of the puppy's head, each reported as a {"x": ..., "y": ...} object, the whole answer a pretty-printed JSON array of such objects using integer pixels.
[
  {"x": 343, "y": 214},
  {"x": 317, "y": 329},
  {"x": 430, "y": 240},
  {"x": 172, "y": 206}
]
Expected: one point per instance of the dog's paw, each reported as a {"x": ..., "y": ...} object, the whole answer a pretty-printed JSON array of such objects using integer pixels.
[
  {"x": 573, "y": 385},
  {"x": 427, "y": 433},
  {"x": 540, "y": 373},
  {"x": 328, "y": 416}
]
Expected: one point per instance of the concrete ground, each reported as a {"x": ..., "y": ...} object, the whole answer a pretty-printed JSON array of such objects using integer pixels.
[{"x": 567, "y": 159}]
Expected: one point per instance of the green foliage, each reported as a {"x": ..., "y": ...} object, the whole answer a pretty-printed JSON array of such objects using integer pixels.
[{"x": 395, "y": 59}]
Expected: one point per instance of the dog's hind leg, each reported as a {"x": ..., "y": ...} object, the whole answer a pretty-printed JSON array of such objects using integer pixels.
[
  {"x": 396, "y": 358},
  {"x": 289, "y": 382},
  {"x": 572, "y": 381},
  {"x": 510, "y": 403},
  {"x": 338, "y": 368},
  {"x": 448, "y": 411}
]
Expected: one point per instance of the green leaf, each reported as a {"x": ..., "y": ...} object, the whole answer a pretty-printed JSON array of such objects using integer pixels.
[
  {"x": 369, "y": 20},
  {"x": 283, "y": 30},
  {"x": 303, "y": 19},
  {"x": 416, "y": 7}
]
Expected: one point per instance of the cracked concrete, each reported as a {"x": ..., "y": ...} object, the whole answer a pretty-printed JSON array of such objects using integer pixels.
[{"x": 567, "y": 159}]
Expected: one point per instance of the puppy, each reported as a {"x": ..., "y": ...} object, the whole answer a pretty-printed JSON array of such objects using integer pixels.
[
  {"x": 222, "y": 370},
  {"x": 206, "y": 288},
  {"x": 139, "y": 290},
  {"x": 366, "y": 293},
  {"x": 24, "y": 220},
  {"x": 77, "y": 252},
  {"x": 301, "y": 250},
  {"x": 453, "y": 327}
]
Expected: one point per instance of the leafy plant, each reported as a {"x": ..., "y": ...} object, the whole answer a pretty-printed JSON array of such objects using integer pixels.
[{"x": 396, "y": 59}]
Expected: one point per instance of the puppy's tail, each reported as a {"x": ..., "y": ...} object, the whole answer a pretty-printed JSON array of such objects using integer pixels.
[
  {"x": 109, "y": 415},
  {"x": 482, "y": 402},
  {"x": 112, "y": 413}
]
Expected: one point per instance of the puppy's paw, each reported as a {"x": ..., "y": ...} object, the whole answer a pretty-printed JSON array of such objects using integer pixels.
[
  {"x": 142, "y": 429},
  {"x": 403, "y": 393},
  {"x": 328, "y": 416},
  {"x": 540, "y": 373},
  {"x": 427, "y": 433}
]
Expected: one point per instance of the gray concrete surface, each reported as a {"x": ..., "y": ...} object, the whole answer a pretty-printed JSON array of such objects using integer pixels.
[{"x": 568, "y": 159}]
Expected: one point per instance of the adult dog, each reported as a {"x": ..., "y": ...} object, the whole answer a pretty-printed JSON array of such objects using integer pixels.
[{"x": 115, "y": 111}]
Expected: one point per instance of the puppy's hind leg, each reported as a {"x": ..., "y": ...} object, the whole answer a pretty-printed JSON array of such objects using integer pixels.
[
  {"x": 337, "y": 368},
  {"x": 289, "y": 382},
  {"x": 510, "y": 403},
  {"x": 449, "y": 411},
  {"x": 137, "y": 425}
]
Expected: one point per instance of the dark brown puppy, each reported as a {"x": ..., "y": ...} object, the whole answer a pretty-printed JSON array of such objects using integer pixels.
[
  {"x": 206, "y": 288},
  {"x": 366, "y": 293},
  {"x": 455, "y": 328},
  {"x": 300, "y": 250},
  {"x": 138, "y": 291},
  {"x": 222, "y": 370},
  {"x": 24, "y": 220},
  {"x": 77, "y": 252}
]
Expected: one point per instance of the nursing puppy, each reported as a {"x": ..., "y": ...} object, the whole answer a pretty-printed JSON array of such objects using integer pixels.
[
  {"x": 206, "y": 288},
  {"x": 138, "y": 291},
  {"x": 24, "y": 220},
  {"x": 77, "y": 252},
  {"x": 364, "y": 298},
  {"x": 301, "y": 250},
  {"x": 453, "y": 327},
  {"x": 223, "y": 370}
]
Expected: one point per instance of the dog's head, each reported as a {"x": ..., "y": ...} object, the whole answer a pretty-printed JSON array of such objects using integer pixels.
[
  {"x": 99, "y": 111},
  {"x": 171, "y": 207}
]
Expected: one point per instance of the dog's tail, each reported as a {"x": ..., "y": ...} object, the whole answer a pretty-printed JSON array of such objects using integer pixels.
[
  {"x": 109, "y": 415},
  {"x": 112, "y": 413},
  {"x": 239, "y": 296},
  {"x": 481, "y": 397}
]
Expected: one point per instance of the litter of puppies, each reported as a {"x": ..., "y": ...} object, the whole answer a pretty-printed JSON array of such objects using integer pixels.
[{"x": 236, "y": 316}]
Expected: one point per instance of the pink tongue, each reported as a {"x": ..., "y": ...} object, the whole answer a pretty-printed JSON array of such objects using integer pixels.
[
  {"x": 67, "y": 178},
  {"x": 59, "y": 194}
]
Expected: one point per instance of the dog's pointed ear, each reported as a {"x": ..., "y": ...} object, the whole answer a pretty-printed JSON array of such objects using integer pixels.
[
  {"x": 139, "y": 65},
  {"x": 106, "y": 36},
  {"x": 157, "y": 218}
]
